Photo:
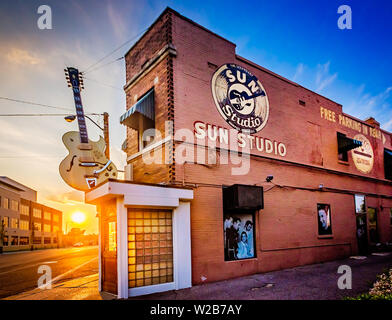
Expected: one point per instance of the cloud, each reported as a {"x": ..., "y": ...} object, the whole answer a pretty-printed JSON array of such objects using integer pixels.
[
  {"x": 22, "y": 57},
  {"x": 364, "y": 104},
  {"x": 69, "y": 198},
  {"x": 116, "y": 21},
  {"x": 323, "y": 77},
  {"x": 298, "y": 72}
]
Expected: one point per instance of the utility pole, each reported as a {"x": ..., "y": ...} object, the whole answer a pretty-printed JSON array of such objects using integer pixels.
[{"x": 106, "y": 133}]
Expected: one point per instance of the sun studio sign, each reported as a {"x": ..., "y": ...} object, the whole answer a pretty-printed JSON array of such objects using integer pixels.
[
  {"x": 240, "y": 98},
  {"x": 242, "y": 101}
]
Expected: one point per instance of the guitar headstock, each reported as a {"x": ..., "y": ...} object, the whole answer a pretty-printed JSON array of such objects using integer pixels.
[{"x": 74, "y": 78}]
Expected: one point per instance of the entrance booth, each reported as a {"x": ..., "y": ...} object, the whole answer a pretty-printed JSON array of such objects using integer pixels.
[{"x": 145, "y": 237}]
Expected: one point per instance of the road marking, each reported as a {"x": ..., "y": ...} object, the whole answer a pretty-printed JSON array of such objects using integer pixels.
[
  {"x": 70, "y": 271},
  {"x": 22, "y": 268}
]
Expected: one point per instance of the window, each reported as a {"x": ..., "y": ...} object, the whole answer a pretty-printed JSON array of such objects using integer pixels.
[
  {"x": 141, "y": 117},
  {"x": 47, "y": 228},
  {"x": 388, "y": 164},
  {"x": 23, "y": 241},
  {"x": 112, "y": 236},
  {"x": 324, "y": 219},
  {"x": 6, "y": 222},
  {"x": 150, "y": 254},
  {"x": 5, "y": 241},
  {"x": 55, "y": 228},
  {"x": 5, "y": 203},
  {"x": 47, "y": 215},
  {"x": 37, "y": 240},
  {"x": 14, "y": 241},
  {"x": 147, "y": 132},
  {"x": 239, "y": 236},
  {"x": 360, "y": 205},
  {"x": 390, "y": 216},
  {"x": 23, "y": 225},
  {"x": 14, "y": 223},
  {"x": 37, "y": 226},
  {"x": 37, "y": 213},
  {"x": 14, "y": 205},
  {"x": 54, "y": 240},
  {"x": 55, "y": 218},
  {"x": 346, "y": 144},
  {"x": 47, "y": 240},
  {"x": 24, "y": 209}
]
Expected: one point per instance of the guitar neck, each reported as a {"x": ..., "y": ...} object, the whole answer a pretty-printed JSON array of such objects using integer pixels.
[{"x": 80, "y": 115}]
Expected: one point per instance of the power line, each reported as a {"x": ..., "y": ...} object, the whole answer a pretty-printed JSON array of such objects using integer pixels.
[
  {"x": 104, "y": 65},
  {"x": 35, "y": 104},
  {"x": 110, "y": 53},
  {"x": 42, "y": 114},
  {"x": 104, "y": 84}
]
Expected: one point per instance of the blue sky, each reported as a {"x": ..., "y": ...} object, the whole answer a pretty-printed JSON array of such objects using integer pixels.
[{"x": 298, "y": 39}]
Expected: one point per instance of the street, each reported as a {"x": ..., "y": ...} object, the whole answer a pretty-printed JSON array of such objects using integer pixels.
[{"x": 19, "y": 270}]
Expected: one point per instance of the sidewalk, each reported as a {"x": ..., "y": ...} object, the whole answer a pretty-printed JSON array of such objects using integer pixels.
[
  {"x": 84, "y": 288},
  {"x": 311, "y": 282}
]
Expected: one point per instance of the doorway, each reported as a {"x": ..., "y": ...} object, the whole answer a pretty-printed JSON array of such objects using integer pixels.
[
  {"x": 373, "y": 230},
  {"x": 361, "y": 224},
  {"x": 109, "y": 248}
]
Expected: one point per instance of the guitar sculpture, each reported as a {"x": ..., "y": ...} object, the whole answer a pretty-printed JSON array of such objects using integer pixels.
[{"x": 86, "y": 166}]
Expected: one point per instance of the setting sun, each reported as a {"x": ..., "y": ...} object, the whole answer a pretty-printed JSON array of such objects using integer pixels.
[{"x": 78, "y": 217}]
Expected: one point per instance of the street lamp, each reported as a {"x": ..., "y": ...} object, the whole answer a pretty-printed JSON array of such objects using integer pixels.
[{"x": 105, "y": 128}]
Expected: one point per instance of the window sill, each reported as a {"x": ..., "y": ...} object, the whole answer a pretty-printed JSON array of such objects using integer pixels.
[
  {"x": 343, "y": 162},
  {"x": 327, "y": 236},
  {"x": 241, "y": 260}
]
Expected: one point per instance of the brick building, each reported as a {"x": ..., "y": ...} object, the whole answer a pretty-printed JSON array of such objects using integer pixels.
[
  {"x": 27, "y": 224},
  {"x": 244, "y": 170}
]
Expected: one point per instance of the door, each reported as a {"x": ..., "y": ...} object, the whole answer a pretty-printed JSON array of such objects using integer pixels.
[
  {"x": 109, "y": 247},
  {"x": 362, "y": 234},
  {"x": 373, "y": 230}
]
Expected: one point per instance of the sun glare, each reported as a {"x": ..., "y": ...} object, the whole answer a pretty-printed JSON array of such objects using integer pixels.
[{"x": 78, "y": 217}]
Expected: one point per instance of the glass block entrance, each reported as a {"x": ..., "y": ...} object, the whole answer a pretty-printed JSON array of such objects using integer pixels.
[{"x": 150, "y": 247}]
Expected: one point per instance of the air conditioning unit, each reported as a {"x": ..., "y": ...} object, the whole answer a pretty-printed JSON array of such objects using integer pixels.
[{"x": 243, "y": 197}]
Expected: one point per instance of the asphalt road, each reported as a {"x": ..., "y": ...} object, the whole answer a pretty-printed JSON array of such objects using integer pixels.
[{"x": 19, "y": 270}]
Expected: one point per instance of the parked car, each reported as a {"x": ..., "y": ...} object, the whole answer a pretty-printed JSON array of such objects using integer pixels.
[{"x": 78, "y": 244}]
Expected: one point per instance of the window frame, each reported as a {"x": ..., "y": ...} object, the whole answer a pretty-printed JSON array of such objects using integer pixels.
[
  {"x": 325, "y": 235},
  {"x": 345, "y": 154}
]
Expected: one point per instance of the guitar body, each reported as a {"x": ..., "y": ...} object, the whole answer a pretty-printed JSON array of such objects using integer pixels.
[{"x": 79, "y": 168}]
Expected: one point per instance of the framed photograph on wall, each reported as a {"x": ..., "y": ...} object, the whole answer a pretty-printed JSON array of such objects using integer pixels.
[
  {"x": 239, "y": 236},
  {"x": 324, "y": 219}
]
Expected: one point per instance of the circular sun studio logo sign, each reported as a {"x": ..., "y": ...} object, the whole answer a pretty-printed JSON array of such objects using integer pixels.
[{"x": 240, "y": 98}]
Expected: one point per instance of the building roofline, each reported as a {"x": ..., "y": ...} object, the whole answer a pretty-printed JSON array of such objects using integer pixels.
[
  {"x": 253, "y": 64},
  {"x": 283, "y": 78},
  {"x": 13, "y": 184},
  {"x": 168, "y": 9}
]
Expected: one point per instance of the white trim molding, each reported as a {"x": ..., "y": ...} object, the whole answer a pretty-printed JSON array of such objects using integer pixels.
[{"x": 133, "y": 195}]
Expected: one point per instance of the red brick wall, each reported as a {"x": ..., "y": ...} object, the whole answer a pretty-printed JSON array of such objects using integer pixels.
[
  {"x": 289, "y": 220},
  {"x": 159, "y": 78},
  {"x": 286, "y": 230}
]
